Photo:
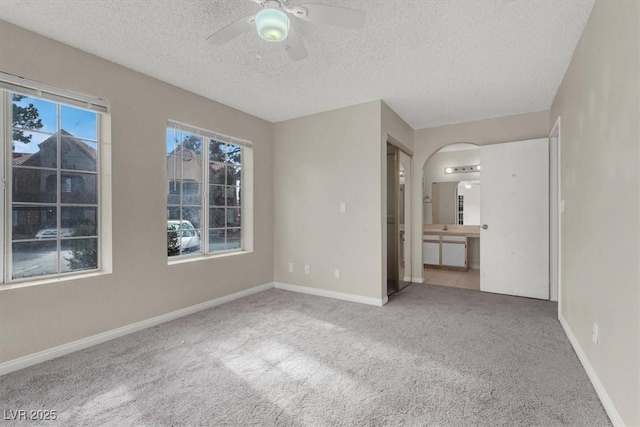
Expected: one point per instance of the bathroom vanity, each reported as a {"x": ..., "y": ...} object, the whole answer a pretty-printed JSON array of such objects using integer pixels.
[{"x": 448, "y": 248}]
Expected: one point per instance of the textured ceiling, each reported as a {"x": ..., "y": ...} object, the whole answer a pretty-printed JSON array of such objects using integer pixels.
[{"x": 433, "y": 62}]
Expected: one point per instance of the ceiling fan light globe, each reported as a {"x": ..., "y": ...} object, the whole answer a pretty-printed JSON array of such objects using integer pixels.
[{"x": 272, "y": 25}]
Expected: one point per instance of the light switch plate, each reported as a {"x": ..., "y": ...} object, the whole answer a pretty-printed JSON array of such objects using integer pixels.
[{"x": 343, "y": 206}]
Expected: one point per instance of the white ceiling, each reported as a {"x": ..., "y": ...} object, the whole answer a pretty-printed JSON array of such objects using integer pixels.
[{"x": 433, "y": 62}]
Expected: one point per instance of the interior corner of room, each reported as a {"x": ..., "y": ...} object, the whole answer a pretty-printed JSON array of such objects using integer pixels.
[{"x": 387, "y": 203}]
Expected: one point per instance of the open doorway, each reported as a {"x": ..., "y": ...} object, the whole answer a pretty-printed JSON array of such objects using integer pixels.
[
  {"x": 398, "y": 219},
  {"x": 510, "y": 241},
  {"x": 451, "y": 217}
]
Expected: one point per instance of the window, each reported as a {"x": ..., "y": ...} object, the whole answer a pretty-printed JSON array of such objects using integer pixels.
[
  {"x": 205, "y": 173},
  {"x": 460, "y": 209},
  {"x": 51, "y": 172}
]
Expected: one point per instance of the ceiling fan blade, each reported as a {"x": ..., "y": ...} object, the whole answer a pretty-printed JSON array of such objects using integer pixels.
[
  {"x": 295, "y": 48},
  {"x": 333, "y": 15},
  {"x": 232, "y": 31}
]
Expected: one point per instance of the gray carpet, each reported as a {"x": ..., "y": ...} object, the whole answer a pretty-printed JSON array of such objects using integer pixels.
[{"x": 432, "y": 356}]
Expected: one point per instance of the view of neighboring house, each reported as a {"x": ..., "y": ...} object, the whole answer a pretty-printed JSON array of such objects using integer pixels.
[{"x": 35, "y": 180}]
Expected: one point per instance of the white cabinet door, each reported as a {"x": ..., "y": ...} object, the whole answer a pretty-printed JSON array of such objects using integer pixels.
[
  {"x": 515, "y": 209},
  {"x": 454, "y": 254},
  {"x": 431, "y": 253}
]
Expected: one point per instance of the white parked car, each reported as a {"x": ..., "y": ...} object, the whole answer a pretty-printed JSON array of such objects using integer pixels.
[
  {"x": 188, "y": 237},
  {"x": 52, "y": 233}
]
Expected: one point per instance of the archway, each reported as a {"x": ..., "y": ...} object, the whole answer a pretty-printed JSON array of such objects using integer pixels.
[{"x": 450, "y": 216}]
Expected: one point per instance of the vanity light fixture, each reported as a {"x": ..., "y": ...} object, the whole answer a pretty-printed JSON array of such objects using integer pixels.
[{"x": 462, "y": 169}]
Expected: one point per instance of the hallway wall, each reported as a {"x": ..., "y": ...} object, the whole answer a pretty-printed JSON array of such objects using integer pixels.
[{"x": 598, "y": 102}]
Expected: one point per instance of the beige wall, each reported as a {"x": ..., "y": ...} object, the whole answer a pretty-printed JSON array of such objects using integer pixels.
[
  {"x": 598, "y": 102},
  {"x": 319, "y": 162},
  {"x": 396, "y": 129},
  {"x": 142, "y": 284},
  {"x": 491, "y": 131}
]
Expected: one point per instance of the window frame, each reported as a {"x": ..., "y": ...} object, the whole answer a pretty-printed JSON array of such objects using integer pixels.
[
  {"x": 246, "y": 148},
  {"x": 9, "y": 85}
]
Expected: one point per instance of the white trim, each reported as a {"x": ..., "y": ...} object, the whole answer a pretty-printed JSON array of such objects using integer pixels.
[
  {"x": 614, "y": 416},
  {"x": 5, "y": 134},
  {"x": 379, "y": 302},
  {"x": 557, "y": 215},
  {"x": 203, "y": 257},
  {"x": 61, "y": 350},
  {"x": 406, "y": 279},
  {"x": 474, "y": 266},
  {"x": 417, "y": 280},
  {"x": 35, "y": 281}
]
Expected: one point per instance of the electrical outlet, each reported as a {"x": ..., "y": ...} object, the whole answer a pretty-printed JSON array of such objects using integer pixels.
[
  {"x": 290, "y": 267},
  {"x": 594, "y": 334},
  {"x": 307, "y": 269},
  {"x": 337, "y": 273}
]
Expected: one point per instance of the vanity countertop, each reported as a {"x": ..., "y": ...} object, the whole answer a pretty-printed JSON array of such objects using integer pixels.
[{"x": 459, "y": 230}]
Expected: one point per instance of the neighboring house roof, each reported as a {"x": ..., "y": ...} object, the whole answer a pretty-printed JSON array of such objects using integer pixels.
[
  {"x": 20, "y": 158},
  {"x": 66, "y": 138}
]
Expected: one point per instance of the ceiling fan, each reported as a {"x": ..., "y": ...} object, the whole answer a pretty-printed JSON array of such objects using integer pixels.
[{"x": 273, "y": 24}]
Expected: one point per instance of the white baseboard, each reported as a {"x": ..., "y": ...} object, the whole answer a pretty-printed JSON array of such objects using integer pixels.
[
  {"x": 407, "y": 279},
  {"x": 331, "y": 294},
  {"x": 61, "y": 350},
  {"x": 474, "y": 266},
  {"x": 616, "y": 420},
  {"x": 417, "y": 280}
]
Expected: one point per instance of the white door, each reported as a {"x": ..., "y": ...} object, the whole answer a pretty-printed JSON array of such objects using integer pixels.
[{"x": 514, "y": 211}]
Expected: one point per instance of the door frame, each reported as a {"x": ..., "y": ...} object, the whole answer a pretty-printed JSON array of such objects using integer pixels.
[
  {"x": 389, "y": 140},
  {"x": 556, "y": 132},
  {"x": 407, "y": 216},
  {"x": 394, "y": 152}
]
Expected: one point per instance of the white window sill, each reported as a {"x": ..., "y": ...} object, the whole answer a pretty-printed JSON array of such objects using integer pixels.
[
  {"x": 24, "y": 283},
  {"x": 201, "y": 257}
]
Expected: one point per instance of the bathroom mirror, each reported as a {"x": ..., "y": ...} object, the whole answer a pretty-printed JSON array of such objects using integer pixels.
[
  {"x": 452, "y": 198},
  {"x": 456, "y": 202}
]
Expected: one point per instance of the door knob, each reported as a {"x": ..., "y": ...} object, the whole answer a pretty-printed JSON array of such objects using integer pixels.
[{"x": 485, "y": 226}]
